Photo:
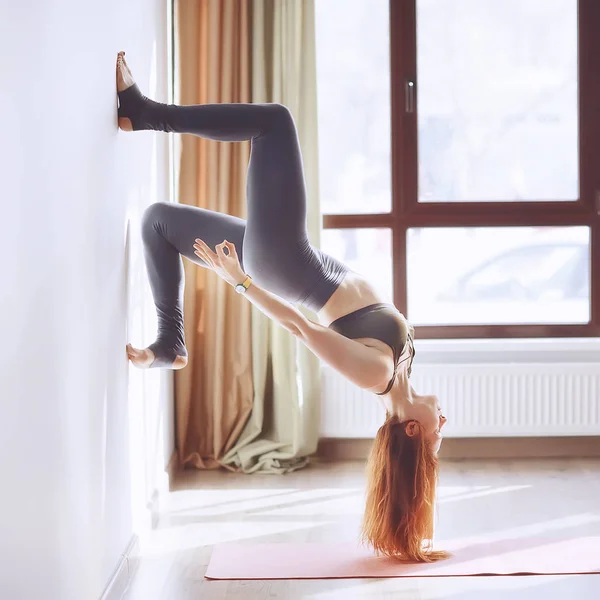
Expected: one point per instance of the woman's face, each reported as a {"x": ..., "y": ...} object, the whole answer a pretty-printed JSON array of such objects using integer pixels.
[
  {"x": 427, "y": 411},
  {"x": 435, "y": 436}
]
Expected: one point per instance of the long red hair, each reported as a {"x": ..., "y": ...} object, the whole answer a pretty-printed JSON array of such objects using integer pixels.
[{"x": 402, "y": 474}]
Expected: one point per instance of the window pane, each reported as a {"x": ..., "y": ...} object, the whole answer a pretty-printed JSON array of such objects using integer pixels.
[
  {"x": 353, "y": 94},
  {"x": 365, "y": 251},
  {"x": 497, "y": 100},
  {"x": 498, "y": 275}
]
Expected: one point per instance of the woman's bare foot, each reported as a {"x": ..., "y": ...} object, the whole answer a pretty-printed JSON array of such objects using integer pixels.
[
  {"x": 144, "y": 358},
  {"x": 124, "y": 80}
]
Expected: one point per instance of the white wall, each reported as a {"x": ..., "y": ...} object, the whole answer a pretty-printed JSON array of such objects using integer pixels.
[{"x": 72, "y": 291}]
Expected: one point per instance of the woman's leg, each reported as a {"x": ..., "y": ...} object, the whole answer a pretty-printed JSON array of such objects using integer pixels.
[
  {"x": 276, "y": 191},
  {"x": 278, "y": 253},
  {"x": 168, "y": 232},
  {"x": 275, "y": 245}
]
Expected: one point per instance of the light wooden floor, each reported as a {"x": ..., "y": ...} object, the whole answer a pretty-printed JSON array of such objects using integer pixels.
[{"x": 492, "y": 499}]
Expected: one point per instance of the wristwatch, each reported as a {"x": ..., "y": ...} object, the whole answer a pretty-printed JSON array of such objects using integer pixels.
[{"x": 241, "y": 288}]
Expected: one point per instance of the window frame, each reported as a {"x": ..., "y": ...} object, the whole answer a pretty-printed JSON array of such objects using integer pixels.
[{"x": 407, "y": 212}]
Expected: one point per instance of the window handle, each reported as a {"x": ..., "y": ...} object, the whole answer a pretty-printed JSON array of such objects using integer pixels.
[{"x": 409, "y": 96}]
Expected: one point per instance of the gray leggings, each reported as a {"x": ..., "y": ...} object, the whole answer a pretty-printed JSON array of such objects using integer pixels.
[{"x": 272, "y": 243}]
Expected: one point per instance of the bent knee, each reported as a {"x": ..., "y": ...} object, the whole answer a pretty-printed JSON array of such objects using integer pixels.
[
  {"x": 280, "y": 115},
  {"x": 155, "y": 213},
  {"x": 280, "y": 109}
]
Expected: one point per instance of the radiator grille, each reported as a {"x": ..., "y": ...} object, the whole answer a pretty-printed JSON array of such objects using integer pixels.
[{"x": 480, "y": 400}]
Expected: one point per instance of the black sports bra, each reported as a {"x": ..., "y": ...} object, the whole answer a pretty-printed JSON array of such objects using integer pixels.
[{"x": 381, "y": 322}]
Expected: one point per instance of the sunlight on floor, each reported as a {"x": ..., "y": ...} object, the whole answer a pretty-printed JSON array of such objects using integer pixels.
[
  {"x": 558, "y": 527},
  {"x": 192, "y": 518},
  {"x": 487, "y": 491},
  {"x": 190, "y": 505},
  {"x": 223, "y": 502},
  {"x": 496, "y": 513},
  {"x": 293, "y": 501},
  {"x": 435, "y": 588},
  {"x": 193, "y": 535}
]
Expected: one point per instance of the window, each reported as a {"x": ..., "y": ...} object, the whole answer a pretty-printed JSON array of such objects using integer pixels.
[
  {"x": 497, "y": 103},
  {"x": 458, "y": 159},
  {"x": 353, "y": 64}
]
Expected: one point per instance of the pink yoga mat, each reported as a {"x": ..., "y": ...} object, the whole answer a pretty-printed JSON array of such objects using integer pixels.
[{"x": 346, "y": 560}]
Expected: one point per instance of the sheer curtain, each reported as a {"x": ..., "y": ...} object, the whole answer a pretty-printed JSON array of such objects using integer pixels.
[
  {"x": 283, "y": 429},
  {"x": 249, "y": 398}
]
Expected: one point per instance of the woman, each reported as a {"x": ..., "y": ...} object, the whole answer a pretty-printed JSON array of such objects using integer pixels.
[{"x": 365, "y": 339}]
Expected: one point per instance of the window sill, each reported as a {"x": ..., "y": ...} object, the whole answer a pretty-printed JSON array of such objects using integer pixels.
[{"x": 482, "y": 351}]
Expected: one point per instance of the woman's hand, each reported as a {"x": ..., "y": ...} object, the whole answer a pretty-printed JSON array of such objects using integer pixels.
[{"x": 227, "y": 266}]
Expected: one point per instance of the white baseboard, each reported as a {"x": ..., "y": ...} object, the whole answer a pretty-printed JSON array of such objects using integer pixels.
[{"x": 124, "y": 572}]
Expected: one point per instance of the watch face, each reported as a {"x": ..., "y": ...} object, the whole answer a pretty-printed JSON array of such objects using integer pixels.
[{"x": 239, "y": 288}]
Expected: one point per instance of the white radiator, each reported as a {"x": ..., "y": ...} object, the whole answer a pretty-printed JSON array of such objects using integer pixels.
[{"x": 487, "y": 400}]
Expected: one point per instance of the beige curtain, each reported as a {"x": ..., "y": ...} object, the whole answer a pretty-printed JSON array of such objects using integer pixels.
[
  {"x": 283, "y": 428},
  {"x": 214, "y": 394}
]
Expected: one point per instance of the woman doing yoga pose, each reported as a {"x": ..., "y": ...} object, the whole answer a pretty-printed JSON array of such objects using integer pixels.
[{"x": 269, "y": 260}]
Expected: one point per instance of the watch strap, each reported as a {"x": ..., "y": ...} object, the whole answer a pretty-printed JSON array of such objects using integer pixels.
[
  {"x": 242, "y": 288},
  {"x": 247, "y": 282}
]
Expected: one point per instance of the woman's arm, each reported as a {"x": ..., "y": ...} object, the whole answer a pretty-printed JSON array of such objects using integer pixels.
[{"x": 366, "y": 367}]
